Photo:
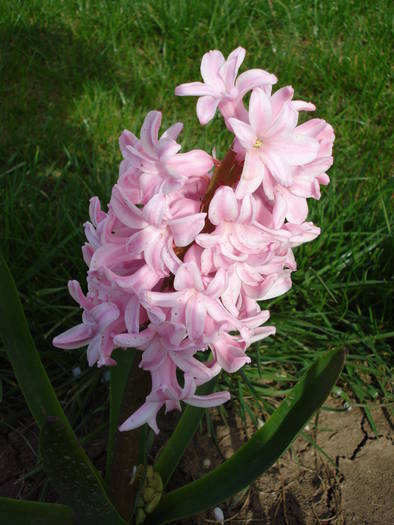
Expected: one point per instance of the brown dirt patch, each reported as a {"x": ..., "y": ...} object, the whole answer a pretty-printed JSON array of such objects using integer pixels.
[{"x": 353, "y": 484}]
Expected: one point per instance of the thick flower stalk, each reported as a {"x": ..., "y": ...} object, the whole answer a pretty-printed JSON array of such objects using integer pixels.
[{"x": 191, "y": 244}]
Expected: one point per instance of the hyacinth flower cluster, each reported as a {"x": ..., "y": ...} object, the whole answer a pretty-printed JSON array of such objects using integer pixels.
[{"x": 190, "y": 244}]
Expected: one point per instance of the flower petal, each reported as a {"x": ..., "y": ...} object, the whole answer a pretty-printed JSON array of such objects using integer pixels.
[
  {"x": 296, "y": 149},
  {"x": 244, "y": 133},
  {"x": 186, "y": 229},
  {"x": 252, "y": 79},
  {"x": 300, "y": 105},
  {"x": 188, "y": 276},
  {"x": 126, "y": 211},
  {"x": 211, "y": 400},
  {"x": 193, "y": 163},
  {"x": 206, "y": 108},
  {"x": 210, "y": 64},
  {"x": 135, "y": 340},
  {"x": 145, "y": 414},
  {"x": 194, "y": 89},
  {"x": 279, "y": 211},
  {"x": 223, "y": 206},
  {"x": 150, "y": 130},
  {"x": 253, "y": 174},
  {"x": 132, "y": 314},
  {"x": 173, "y": 131},
  {"x": 278, "y": 168},
  {"x": 260, "y": 112},
  {"x": 229, "y": 69},
  {"x": 75, "y": 337}
]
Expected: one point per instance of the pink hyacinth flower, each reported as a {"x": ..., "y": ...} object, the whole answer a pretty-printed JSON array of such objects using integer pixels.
[
  {"x": 95, "y": 330},
  {"x": 271, "y": 140},
  {"x": 179, "y": 262},
  {"x": 164, "y": 350},
  {"x": 154, "y": 230},
  {"x": 221, "y": 87},
  {"x": 195, "y": 304},
  {"x": 155, "y": 163},
  {"x": 290, "y": 202}
]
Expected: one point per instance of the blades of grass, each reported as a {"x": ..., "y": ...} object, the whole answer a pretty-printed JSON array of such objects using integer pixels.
[
  {"x": 180, "y": 438},
  {"x": 22, "y": 512},
  {"x": 258, "y": 358},
  {"x": 23, "y": 355},
  {"x": 312, "y": 442},
  {"x": 261, "y": 451},
  {"x": 249, "y": 385},
  {"x": 358, "y": 391},
  {"x": 45, "y": 260},
  {"x": 74, "y": 477},
  {"x": 241, "y": 400},
  {"x": 118, "y": 380},
  {"x": 212, "y": 433}
]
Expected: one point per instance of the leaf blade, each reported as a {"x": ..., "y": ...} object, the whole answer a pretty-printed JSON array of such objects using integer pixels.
[
  {"x": 22, "y": 353},
  {"x": 23, "y": 512},
  {"x": 74, "y": 477}
]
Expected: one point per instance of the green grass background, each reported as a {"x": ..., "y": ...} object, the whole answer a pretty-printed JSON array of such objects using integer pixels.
[{"x": 74, "y": 74}]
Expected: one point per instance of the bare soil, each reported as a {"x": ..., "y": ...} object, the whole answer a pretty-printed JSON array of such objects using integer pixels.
[{"x": 351, "y": 484}]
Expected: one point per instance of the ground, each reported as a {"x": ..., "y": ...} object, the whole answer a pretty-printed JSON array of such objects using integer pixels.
[
  {"x": 349, "y": 481},
  {"x": 353, "y": 485}
]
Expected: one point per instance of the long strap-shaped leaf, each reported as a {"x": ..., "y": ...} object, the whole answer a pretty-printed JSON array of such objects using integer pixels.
[
  {"x": 261, "y": 451},
  {"x": 21, "y": 350},
  {"x": 64, "y": 460},
  {"x": 22, "y": 512},
  {"x": 74, "y": 477},
  {"x": 180, "y": 438}
]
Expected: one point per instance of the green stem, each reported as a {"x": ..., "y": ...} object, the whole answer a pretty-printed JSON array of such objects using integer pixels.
[
  {"x": 126, "y": 444},
  {"x": 180, "y": 438},
  {"x": 119, "y": 376}
]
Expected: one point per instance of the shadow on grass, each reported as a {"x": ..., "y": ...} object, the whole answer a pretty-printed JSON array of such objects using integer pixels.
[{"x": 44, "y": 70}]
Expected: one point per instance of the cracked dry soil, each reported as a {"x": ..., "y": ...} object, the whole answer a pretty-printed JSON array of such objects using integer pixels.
[{"x": 352, "y": 484}]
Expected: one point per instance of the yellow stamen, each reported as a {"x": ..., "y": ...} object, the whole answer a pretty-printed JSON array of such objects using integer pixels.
[{"x": 258, "y": 143}]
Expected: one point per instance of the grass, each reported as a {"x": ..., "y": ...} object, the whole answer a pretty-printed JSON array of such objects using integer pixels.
[{"x": 75, "y": 73}]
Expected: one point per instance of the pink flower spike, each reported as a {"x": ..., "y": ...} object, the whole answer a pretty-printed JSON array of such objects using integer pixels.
[
  {"x": 153, "y": 164},
  {"x": 178, "y": 263}
]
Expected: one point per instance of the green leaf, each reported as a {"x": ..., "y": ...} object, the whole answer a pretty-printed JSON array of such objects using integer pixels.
[
  {"x": 119, "y": 375},
  {"x": 22, "y": 353},
  {"x": 22, "y": 512},
  {"x": 74, "y": 477},
  {"x": 180, "y": 438},
  {"x": 261, "y": 451}
]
